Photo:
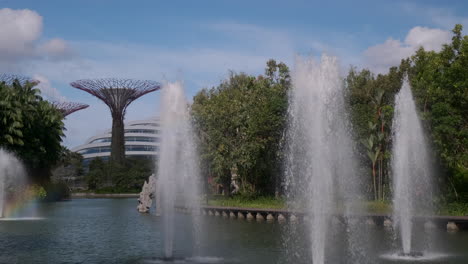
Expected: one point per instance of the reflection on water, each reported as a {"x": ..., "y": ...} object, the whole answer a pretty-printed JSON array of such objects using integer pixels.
[
  {"x": 21, "y": 218},
  {"x": 111, "y": 231}
]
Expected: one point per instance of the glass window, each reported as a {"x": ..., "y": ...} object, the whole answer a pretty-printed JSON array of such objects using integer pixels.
[
  {"x": 101, "y": 140},
  {"x": 95, "y": 150},
  {"x": 142, "y": 139},
  {"x": 137, "y": 139},
  {"x": 147, "y": 131},
  {"x": 145, "y": 124},
  {"x": 141, "y": 148}
]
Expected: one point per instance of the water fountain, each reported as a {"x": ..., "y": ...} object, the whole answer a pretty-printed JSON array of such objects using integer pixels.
[
  {"x": 411, "y": 168},
  {"x": 11, "y": 178},
  {"x": 319, "y": 165},
  {"x": 178, "y": 181}
]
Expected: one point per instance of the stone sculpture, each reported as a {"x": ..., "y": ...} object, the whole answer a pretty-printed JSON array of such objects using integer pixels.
[{"x": 146, "y": 195}]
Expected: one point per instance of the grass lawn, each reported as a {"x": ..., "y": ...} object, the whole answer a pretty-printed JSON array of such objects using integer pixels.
[
  {"x": 239, "y": 201},
  {"x": 372, "y": 207}
]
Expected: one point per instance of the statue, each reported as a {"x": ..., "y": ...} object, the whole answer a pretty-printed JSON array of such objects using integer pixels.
[
  {"x": 234, "y": 178},
  {"x": 146, "y": 195}
]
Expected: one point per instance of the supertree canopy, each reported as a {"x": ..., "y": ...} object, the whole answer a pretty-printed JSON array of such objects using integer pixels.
[
  {"x": 10, "y": 78},
  {"x": 67, "y": 108},
  {"x": 117, "y": 94}
]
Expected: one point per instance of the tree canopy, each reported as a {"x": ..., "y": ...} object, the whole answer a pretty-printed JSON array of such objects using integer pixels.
[
  {"x": 439, "y": 82},
  {"x": 240, "y": 125},
  {"x": 440, "y": 85},
  {"x": 30, "y": 127}
]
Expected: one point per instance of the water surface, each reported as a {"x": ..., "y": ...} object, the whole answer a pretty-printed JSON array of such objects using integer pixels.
[{"x": 112, "y": 231}]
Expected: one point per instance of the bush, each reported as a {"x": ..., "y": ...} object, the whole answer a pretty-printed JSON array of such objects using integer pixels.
[
  {"x": 454, "y": 208},
  {"x": 109, "y": 177},
  {"x": 56, "y": 192}
]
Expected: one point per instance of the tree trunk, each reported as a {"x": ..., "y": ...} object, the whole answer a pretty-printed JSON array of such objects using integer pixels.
[
  {"x": 380, "y": 180},
  {"x": 453, "y": 187},
  {"x": 373, "y": 179},
  {"x": 118, "y": 139}
]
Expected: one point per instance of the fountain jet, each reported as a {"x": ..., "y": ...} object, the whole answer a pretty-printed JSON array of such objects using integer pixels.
[
  {"x": 319, "y": 164},
  {"x": 411, "y": 167},
  {"x": 177, "y": 169},
  {"x": 11, "y": 176}
]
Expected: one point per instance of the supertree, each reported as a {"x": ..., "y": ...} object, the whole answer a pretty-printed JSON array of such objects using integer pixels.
[
  {"x": 10, "y": 78},
  {"x": 67, "y": 108},
  {"x": 117, "y": 94}
]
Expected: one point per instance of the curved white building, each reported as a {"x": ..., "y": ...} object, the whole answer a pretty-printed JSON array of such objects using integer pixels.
[{"x": 141, "y": 140}]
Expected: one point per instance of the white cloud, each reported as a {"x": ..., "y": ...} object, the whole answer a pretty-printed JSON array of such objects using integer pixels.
[
  {"x": 429, "y": 38},
  {"x": 55, "y": 48},
  {"x": 47, "y": 91},
  {"x": 21, "y": 31},
  {"x": 382, "y": 56}
]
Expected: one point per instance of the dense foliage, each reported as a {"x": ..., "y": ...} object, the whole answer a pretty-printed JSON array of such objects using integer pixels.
[
  {"x": 30, "y": 127},
  {"x": 371, "y": 100},
  {"x": 112, "y": 177},
  {"x": 440, "y": 86},
  {"x": 240, "y": 125},
  {"x": 439, "y": 82}
]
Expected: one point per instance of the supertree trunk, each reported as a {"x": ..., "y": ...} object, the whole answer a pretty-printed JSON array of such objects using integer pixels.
[
  {"x": 118, "y": 139},
  {"x": 117, "y": 94}
]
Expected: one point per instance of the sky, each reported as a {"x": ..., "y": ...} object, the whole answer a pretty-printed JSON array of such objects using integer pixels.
[{"x": 200, "y": 42}]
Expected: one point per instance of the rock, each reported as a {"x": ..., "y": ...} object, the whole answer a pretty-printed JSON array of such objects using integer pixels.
[
  {"x": 225, "y": 215},
  {"x": 281, "y": 218},
  {"x": 270, "y": 218},
  {"x": 429, "y": 225},
  {"x": 232, "y": 215},
  {"x": 250, "y": 216},
  {"x": 259, "y": 217},
  {"x": 293, "y": 218},
  {"x": 146, "y": 195},
  {"x": 370, "y": 221},
  {"x": 452, "y": 227},
  {"x": 240, "y": 215},
  {"x": 387, "y": 223}
]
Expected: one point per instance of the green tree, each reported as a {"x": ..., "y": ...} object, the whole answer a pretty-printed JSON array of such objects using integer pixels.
[
  {"x": 370, "y": 100},
  {"x": 240, "y": 124},
  {"x": 112, "y": 177},
  {"x": 31, "y": 127},
  {"x": 440, "y": 85},
  {"x": 95, "y": 176}
]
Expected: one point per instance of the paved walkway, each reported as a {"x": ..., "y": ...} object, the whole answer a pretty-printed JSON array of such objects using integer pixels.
[{"x": 439, "y": 220}]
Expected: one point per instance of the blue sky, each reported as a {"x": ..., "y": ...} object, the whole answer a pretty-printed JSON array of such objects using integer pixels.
[{"x": 200, "y": 41}]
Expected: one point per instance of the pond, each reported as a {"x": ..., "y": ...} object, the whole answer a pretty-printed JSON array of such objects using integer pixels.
[{"x": 112, "y": 231}]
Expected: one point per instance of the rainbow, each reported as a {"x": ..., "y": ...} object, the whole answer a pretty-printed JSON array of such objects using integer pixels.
[{"x": 16, "y": 203}]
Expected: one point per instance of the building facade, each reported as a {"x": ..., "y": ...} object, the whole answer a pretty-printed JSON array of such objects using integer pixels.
[{"x": 141, "y": 140}]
